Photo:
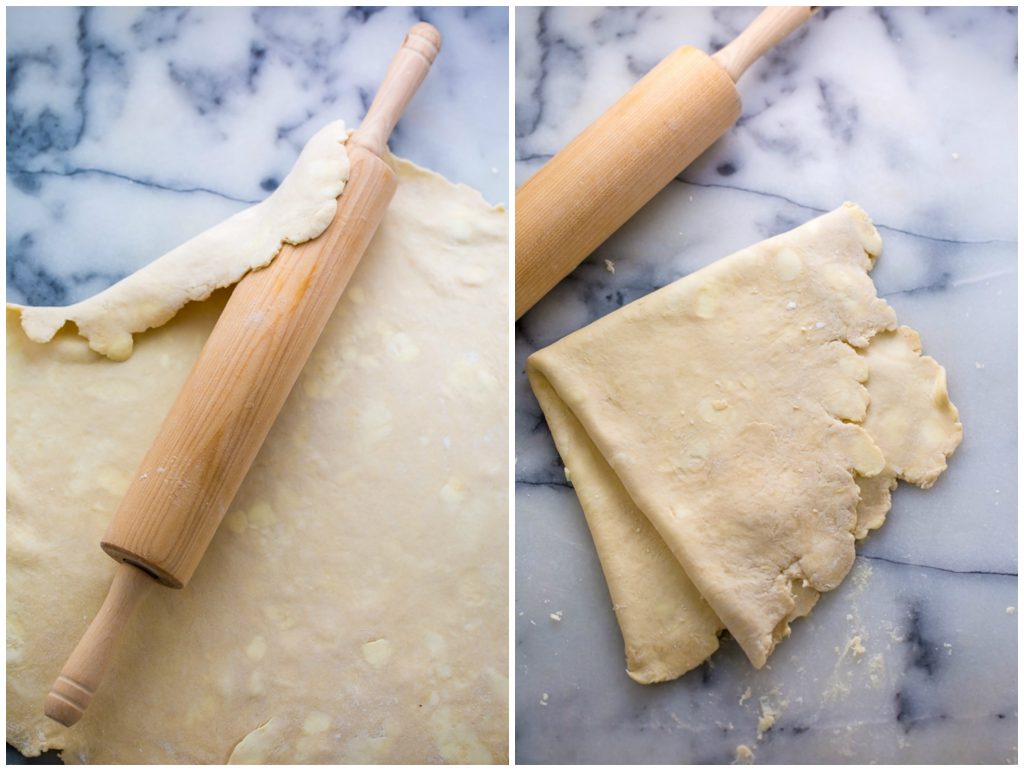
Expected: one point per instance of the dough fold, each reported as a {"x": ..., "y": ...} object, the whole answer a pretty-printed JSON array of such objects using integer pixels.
[
  {"x": 301, "y": 208},
  {"x": 669, "y": 631},
  {"x": 352, "y": 607},
  {"x": 730, "y": 436}
]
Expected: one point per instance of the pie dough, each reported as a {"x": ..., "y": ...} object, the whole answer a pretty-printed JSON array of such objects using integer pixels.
[
  {"x": 353, "y": 605},
  {"x": 731, "y": 435},
  {"x": 300, "y": 209}
]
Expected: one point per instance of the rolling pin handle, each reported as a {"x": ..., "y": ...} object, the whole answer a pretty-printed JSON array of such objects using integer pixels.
[
  {"x": 407, "y": 70},
  {"x": 75, "y": 685},
  {"x": 771, "y": 26}
]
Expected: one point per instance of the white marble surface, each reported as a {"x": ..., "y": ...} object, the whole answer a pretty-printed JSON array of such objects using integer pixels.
[
  {"x": 130, "y": 130},
  {"x": 912, "y": 114}
]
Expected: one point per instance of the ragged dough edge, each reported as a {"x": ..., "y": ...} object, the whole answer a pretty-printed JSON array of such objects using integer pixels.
[
  {"x": 299, "y": 210},
  {"x": 917, "y": 434},
  {"x": 874, "y": 482},
  {"x": 875, "y": 502},
  {"x": 137, "y": 302},
  {"x": 804, "y": 580},
  {"x": 910, "y": 417}
]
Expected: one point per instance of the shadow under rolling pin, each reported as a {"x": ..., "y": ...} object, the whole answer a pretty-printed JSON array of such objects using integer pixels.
[
  {"x": 593, "y": 185},
  {"x": 238, "y": 385}
]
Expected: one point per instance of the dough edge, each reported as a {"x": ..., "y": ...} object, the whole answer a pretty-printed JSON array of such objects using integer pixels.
[{"x": 299, "y": 210}]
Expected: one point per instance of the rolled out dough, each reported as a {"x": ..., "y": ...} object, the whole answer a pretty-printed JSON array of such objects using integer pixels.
[
  {"x": 300, "y": 209},
  {"x": 353, "y": 605},
  {"x": 731, "y": 435}
]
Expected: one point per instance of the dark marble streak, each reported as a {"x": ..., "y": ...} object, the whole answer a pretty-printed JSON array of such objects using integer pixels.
[
  {"x": 1004, "y": 574},
  {"x": 26, "y": 180},
  {"x": 27, "y": 280},
  {"x": 619, "y": 23},
  {"x": 159, "y": 26},
  {"x": 526, "y": 158},
  {"x": 821, "y": 210},
  {"x": 892, "y": 31},
  {"x": 29, "y": 136},
  {"x": 924, "y": 651},
  {"x": 38, "y": 144},
  {"x": 841, "y": 115},
  {"x": 530, "y": 111},
  {"x": 924, "y": 662},
  {"x": 728, "y": 169}
]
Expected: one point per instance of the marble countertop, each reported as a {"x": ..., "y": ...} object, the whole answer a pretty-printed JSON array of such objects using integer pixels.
[
  {"x": 131, "y": 130},
  {"x": 912, "y": 114}
]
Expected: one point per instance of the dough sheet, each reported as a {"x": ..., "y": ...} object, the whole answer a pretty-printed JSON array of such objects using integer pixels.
[
  {"x": 353, "y": 605},
  {"x": 731, "y": 435},
  {"x": 300, "y": 209}
]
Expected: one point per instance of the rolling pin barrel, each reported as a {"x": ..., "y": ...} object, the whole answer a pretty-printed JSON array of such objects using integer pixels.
[
  {"x": 602, "y": 178},
  {"x": 254, "y": 355},
  {"x": 243, "y": 375}
]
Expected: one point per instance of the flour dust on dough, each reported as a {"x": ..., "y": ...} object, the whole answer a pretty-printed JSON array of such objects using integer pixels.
[
  {"x": 731, "y": 435},
  {"x": 300, "y": 209},
  {"x": 353, "y": 605}
]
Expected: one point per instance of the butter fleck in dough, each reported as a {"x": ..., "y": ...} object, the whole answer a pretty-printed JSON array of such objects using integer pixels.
[
  {"x": 377, "y": 652},
  {"x": 732, "y": 434},
  {"x": 257, "y": 648},
  {"x": 261, "y": 516},
  {"x": 316, "y": 723},
  {"x": 236, "y": 521},
  {"x": 339, "y": 536}
]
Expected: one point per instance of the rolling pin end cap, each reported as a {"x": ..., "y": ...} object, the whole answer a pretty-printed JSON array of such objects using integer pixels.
[
  {"x": 67, "y": 701},
  {"x": 424, "y": 38}
]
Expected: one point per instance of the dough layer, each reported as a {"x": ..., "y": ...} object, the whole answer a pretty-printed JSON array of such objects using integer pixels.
[
  {"x": 353, "y": 605},
  {"x": 730, "y": 435},
  {"x": 300, "y": 209}
]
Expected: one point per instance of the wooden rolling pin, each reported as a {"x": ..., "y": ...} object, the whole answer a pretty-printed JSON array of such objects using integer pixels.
[
  {"x": 602, "y": 178},
  {"x": 243, "y": 375}
]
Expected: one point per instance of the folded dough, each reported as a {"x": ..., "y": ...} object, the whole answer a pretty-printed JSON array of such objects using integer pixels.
[
  {"x": 353, "y": 605},
  {"x": 730, "y": 435}
]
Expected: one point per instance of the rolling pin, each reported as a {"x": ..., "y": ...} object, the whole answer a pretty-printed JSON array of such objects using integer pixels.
[
  {"x": 240, "y": 381},
  {"x": 601, "y": 178}
]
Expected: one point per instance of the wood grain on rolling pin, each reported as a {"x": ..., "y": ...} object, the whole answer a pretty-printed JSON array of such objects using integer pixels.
[
  {"x": 607, "y": 173},
  {"x": 215, "y": 427},
  {"x": 603, "y": 177}
]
